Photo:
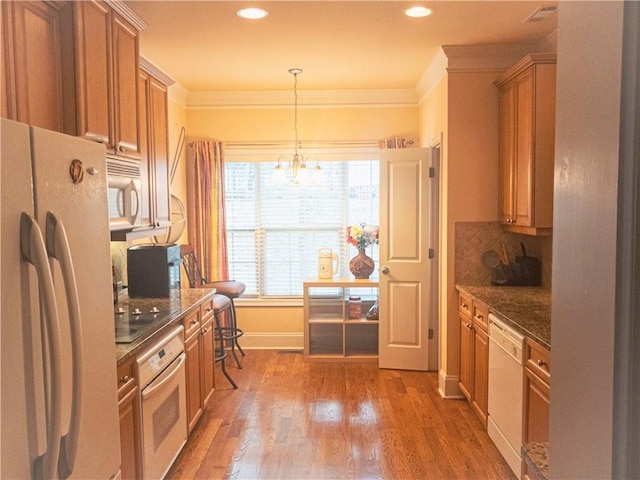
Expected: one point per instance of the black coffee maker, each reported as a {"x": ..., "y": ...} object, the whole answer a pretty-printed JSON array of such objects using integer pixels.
[{"x": 153, "y": 270}]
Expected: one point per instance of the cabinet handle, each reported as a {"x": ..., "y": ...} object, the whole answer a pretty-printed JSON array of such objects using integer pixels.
[
  {"x": 208, "y": 309},
  {"x": 204, "y": 330},
  {"x": 121, "y": 148},
  {"x": 479, "y": 317},
  {"x": 464, "y": 305},
  {"x": 469, "y": 326},
  {"x": 541, "y": 363},
  {"x": 124, "y": 379},
  {"x": 194, "y": 321}
]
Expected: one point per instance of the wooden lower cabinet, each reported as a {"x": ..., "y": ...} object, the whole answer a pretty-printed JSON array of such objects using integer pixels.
[
  {"x": 130, "y": 426},
  {"x": 537, "y": 378},
  {"x": 537, "y": 390},
  {"x": 193, "y": 367},
  {"x": 474, "y": 355},
  {"x": 198, "y": 346}
]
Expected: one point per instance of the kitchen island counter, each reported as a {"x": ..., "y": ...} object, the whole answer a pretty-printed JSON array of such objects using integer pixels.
[
  {"x": 178, "y": 303},
  {"x": 528, "y": 309}
]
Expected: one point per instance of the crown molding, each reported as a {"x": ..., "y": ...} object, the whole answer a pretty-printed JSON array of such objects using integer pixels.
[
  {"x": 177, "y": 93},
  {"x": 432, "y": 75},
  {"x": 128, "y": 14},
  {"x": 484, "y": 58},
  {"x": 155, "y": 72},
  {"x": 307, "y": 98}
]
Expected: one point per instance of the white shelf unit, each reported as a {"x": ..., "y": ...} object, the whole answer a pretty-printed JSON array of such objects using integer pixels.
[{"x": 329, "y": 332}]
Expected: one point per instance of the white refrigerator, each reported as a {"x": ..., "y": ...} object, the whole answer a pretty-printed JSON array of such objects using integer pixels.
[{"x": 59, "y": 406}]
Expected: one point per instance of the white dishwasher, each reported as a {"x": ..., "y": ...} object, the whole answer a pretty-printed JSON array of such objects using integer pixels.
[{"x": 504, "y": 423}]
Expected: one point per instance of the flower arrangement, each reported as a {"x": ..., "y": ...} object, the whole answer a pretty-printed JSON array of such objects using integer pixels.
[{"x": 362, "y": 235}]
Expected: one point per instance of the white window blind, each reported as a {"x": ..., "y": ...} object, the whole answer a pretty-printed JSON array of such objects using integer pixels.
[{"x": 274, "y": 232}]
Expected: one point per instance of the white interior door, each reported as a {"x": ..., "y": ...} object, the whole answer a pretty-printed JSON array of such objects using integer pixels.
[{"x": 404, "y": 259}]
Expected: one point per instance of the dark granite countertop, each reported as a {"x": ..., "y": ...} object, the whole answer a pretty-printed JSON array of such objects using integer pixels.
[
  {"x": 536, "y": 456},
  {"x": 526, "y": 308},
  {"x": 178, "y": 303}
]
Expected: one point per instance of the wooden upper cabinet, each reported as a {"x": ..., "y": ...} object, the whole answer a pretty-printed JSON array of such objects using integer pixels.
[
  {"x": 154, "y": 145},
  {"x": 527, "y": 142},
  {"x": 125, "y": 86},
  {"x": 106, "y": 67},
  {"x": 92, "y": 40},
  {"x": 32, "y": 63}
]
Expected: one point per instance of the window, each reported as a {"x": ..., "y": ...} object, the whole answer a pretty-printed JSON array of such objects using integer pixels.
[{"x": 274, "y": 232}]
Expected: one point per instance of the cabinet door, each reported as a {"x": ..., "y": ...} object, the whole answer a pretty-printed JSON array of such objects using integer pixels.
[
  {"x": 129, "y": 407},
  {"x": 536, "y": 409},
  {"x": 144, "y": 84},
  {"x": 125, "y": 86},
  {"x": 481, "y": 374},
  {"x": 524, "y": 148},
  {"x": 92, "y": 41},
  {"x": 160, "y": 168},
  {"x": 32, "y": 77},
  {"x": 507, "y": 153},
  {"x": 192, "y": 351},
  {"x": 466, "y": 357},
  {"x": 206, "y": 350}
]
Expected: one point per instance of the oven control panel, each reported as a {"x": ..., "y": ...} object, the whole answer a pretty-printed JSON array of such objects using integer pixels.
[{"x": 157, "y": 357}]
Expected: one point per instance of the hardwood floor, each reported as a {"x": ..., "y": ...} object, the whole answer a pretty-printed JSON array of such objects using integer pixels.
[{"x": 295, "y": 420}]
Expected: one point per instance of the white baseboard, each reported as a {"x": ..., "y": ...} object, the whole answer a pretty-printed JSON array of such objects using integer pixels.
[
  {"x": 448, "y": 386},
  {"x": 272, "y": 341}
]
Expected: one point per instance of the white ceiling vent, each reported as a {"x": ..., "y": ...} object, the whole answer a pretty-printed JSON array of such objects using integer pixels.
[{"x": 541, "y": 13}]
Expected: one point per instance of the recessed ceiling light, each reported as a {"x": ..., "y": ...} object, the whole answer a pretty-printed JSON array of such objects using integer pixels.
[
  {"x": 417, "y": 12},
  {"x": 252, "y": 13}
]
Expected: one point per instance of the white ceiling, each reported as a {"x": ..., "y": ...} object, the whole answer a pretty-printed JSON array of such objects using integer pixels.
[{"x": 339, "y": 44}]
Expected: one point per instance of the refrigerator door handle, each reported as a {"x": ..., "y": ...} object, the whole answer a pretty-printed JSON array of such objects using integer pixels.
[
  {"x": 58, "y": 248},
  {"x": 33, "y": 250}
]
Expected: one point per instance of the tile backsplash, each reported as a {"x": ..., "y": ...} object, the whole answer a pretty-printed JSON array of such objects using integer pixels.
[{"x": 475, "y": 238}]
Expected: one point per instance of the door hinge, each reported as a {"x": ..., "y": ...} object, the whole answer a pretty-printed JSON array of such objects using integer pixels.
[
  {"x": 432, "y": 172},
  {"x": 432, "y": 253},
  {"x": 430, "y": 333}
]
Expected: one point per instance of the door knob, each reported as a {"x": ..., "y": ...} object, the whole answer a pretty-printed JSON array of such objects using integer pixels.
[{"x": 384, "y": 270}]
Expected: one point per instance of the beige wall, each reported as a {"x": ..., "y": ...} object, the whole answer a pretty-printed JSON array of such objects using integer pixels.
[
  {"x": 469, "y": 193},
  {"x": 314, "y": 124},
  {"x": 177, "y": 120}
]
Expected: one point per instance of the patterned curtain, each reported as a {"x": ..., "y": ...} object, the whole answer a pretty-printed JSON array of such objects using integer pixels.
[{"x": 205, "y": 208}]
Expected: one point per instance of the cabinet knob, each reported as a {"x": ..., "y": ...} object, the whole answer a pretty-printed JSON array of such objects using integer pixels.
[
  {"x": 469, "y": 326},
  {"x": 194, "y": 321},
  {"x": 204, "y": 330},
  {"x": 541, "y": 363},
  {"x": 384, "y": 270},
  {"x": 479, "y": 317},
  {"x": 121, "y": 148},
  {"x": 124, "y": 379},
  {"x": 464, "y": 305}
]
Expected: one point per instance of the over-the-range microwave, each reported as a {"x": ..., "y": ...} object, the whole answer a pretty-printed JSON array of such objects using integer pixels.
[{"x": 125, "y": 193}]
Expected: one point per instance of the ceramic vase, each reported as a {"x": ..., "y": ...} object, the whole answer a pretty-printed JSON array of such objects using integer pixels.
[{"x": 361, "y": 266}]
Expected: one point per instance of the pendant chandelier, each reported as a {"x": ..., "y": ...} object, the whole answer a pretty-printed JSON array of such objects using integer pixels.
[{"x": 295, "y": 169}]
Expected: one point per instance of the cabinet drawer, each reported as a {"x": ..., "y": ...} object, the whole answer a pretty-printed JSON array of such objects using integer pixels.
[
  {"x": 126, "y": 379},
  {"x": 480, "y": 316},
  {"x": 191, "y": 323},
  {"x": 538, "y": 360},
  {"x": 464, "y": 304},
  {"x": 206, "y": 310}
]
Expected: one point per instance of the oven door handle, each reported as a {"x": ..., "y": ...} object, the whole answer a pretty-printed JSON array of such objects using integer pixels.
[{"x": 165, "y": 377}]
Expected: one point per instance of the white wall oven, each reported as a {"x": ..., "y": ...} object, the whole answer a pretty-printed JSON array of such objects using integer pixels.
[{"x": 161, "y": 371}]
